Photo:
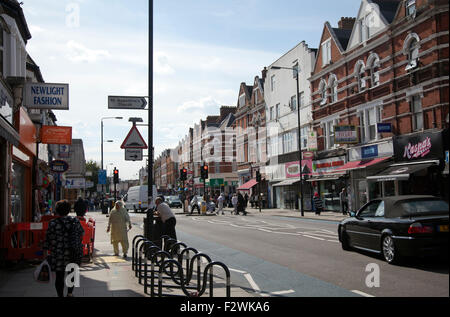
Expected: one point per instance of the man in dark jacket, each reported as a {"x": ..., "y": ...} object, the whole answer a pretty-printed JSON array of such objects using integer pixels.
[
  {"x": 80, "y": 207},
  {"x": 241, "y": 205}
]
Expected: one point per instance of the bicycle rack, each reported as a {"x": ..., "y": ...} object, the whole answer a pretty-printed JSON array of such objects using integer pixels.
[{"x": 166, "y": 264}]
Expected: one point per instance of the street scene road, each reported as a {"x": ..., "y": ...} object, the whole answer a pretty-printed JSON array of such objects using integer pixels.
[
  {"x": 290, "y": 256},
  {"x": 300, "y": 148}
]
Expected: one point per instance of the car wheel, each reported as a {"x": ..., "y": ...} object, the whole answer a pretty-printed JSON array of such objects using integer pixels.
[
  {"x": 389, "y": 250},
  {"x": 344, "y": 240}
]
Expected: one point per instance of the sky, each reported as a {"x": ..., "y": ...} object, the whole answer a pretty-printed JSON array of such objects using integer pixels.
[{"x": 202, "y": 51}]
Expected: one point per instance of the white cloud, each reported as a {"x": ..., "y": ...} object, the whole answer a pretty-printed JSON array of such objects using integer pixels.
[{"x": 77, "y": 52}]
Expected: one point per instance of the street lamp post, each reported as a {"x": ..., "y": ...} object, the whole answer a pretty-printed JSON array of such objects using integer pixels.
[{"x": 296, "y": 72}]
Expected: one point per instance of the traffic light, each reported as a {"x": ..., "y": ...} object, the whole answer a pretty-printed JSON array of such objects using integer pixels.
[
  {"x": 183, "y": 174},
  {"x": 258, "y": 176},
  {"x": 116, "y": 176},
  {"x": 204, "y": 172}
]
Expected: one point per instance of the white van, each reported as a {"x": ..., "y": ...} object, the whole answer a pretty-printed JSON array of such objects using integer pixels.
[{"x": 136, "y": 198}]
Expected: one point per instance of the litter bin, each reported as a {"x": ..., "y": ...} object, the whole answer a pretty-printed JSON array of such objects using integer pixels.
[{"x": 105, "y": 207}]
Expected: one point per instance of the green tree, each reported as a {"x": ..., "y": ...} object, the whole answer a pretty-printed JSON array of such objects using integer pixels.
[{"x": 93, "y": 167}]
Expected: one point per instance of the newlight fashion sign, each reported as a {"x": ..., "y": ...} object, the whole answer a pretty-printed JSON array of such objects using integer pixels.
[{"x": 46, "y": 96}]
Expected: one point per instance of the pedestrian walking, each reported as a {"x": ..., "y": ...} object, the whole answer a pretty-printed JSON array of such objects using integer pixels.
[
  {"x": 117, "y": 224},
  {"x": 241, "y": 204},
  {"x": 63, "y": 241},
  {"x": 194, "y": 205},
  {"x": 220, "y": 202},
  {"x": 343, "y": 196},
  {"x": 80, "y": 207},
  {"x": 167, "y": 218},
  {"x": 318, "y": 204},
  {"x": 234, "y": 201}
]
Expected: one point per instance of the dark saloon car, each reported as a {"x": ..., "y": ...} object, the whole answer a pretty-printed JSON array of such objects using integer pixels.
[{"x": 398, "y": 226}]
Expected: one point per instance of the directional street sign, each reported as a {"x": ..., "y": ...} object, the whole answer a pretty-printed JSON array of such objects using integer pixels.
[
  {"x": 133, "y": 154},
  {"x": 134, "y": 140},
  {"x": 124, "y": 102}
]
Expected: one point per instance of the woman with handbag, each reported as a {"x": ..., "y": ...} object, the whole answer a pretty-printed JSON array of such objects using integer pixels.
[{"x": 63, "y": 240}]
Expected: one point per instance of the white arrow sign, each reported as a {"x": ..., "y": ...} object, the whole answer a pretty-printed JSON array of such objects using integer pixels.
[
  {"x": 134, "y": 140},
  {"x": 124, "y": 102},
  {"x": 133, "y": 155}
]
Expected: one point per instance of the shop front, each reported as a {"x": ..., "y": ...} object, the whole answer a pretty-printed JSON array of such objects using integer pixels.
[
  {"x": 327, "y": 180},
  {"x": 22, "y": 170},
  {"x": 418, "y": 167},
  {"x": 288, "y": 191},
  {"x": 8, "y": 136},
  {"x": 365, "y": 161}
]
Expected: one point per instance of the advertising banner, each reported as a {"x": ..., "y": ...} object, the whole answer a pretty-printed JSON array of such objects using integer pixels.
[
  {"x": 419, "y": 146},
  {"x": 56, "y": 135}
]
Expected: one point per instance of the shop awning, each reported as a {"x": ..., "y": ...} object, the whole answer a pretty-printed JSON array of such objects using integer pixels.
[
  {"x": 361, "y": 164},
  {"x": 287, "y": 182},
  {"x": 9, "y": 133},
  {"x": 248, "y": 185},
  {"x": 399, "y": 172}
]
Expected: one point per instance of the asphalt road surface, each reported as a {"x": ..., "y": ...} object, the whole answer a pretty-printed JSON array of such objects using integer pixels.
[{"x": 281, "y": 256}]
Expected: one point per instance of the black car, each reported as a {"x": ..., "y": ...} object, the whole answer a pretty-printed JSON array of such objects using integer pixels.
[{"x": 398, "y": 226}]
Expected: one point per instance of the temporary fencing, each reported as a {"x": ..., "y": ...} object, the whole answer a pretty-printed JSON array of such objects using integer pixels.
[
  {"x": 172, "y": 267},
  {"x": 25, "y": 240}
]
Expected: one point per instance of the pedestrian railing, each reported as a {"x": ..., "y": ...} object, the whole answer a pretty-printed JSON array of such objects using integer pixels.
[{"x": 171, "y": 267}]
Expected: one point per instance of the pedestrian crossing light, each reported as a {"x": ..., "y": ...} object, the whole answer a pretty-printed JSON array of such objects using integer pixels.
[
  {"x": 204, "y": 172},
  {"x": 183, "y": 174},
  {"x": 116, "y": 176}
]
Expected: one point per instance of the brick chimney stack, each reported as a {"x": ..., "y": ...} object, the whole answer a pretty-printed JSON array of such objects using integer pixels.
[{"x": 346, "y": 23}]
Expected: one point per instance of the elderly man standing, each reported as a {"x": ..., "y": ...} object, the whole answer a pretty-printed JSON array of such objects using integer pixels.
[
  {"x": 117, "y": 224},
  {"x": 167, "y": 217}
]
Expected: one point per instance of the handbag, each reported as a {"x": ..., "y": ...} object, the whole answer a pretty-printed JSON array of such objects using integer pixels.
[{"x": 43, "y": 273}]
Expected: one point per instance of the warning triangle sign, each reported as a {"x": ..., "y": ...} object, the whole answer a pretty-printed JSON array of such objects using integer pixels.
[{"x": 134, "y": 140}]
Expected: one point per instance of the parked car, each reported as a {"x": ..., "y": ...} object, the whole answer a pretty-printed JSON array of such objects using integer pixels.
[
  {"x": 174, "y": 202},
  {"x": 398, "y": 226}
]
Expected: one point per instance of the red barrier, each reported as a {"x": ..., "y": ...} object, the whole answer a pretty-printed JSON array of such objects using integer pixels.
[{"x": 24, "y": 241}]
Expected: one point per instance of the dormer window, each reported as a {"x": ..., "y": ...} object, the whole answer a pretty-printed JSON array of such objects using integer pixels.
[
  {"x": 326, "y": 52},
  {"x": 411, "y": 8},
  {"x": 242, "y": 100}
]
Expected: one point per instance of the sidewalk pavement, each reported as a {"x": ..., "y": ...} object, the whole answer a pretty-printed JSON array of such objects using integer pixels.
[
  {"x": 326, "y": 215},
  {"x": 106, "y": 276}
]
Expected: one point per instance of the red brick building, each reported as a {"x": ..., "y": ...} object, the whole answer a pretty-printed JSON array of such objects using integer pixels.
[{"x": 380, "y": 84}]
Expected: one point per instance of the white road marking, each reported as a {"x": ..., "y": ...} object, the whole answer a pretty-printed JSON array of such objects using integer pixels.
[
  {"x": 362, "y": 293},
  {"x": 283, "y": 292},
  {"x": 252, "y": 283},
  {"x": 313, "y": 237}
]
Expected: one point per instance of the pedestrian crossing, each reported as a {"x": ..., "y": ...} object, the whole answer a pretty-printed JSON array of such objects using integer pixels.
[{"x": 269, "y": 227}]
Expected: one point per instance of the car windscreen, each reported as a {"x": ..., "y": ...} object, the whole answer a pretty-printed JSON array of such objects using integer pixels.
[{"x": 424, "y": 207}]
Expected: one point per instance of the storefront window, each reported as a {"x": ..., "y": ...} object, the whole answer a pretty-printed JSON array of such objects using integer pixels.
[
  {"x": 375, "y": 190},
  {"x": 330, "y": 194},
  {"x": 362, "y": 193},
  {"x": 389, "y": 188},
  {"x": 18, "y": 193}
]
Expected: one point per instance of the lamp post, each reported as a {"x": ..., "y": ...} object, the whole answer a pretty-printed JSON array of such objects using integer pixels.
[{"x": 296, "y": 74}]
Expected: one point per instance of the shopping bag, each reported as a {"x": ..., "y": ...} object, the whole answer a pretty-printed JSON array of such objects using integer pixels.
[{"x": 43, "y": 273}]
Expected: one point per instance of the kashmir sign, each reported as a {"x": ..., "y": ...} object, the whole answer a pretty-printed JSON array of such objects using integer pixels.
[{"x": 46, "y": 96}]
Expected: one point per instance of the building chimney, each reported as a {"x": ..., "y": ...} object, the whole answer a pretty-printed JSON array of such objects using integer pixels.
[
  {"x": 264, "y": 73},
  {"x": 346, "y": 23}
]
